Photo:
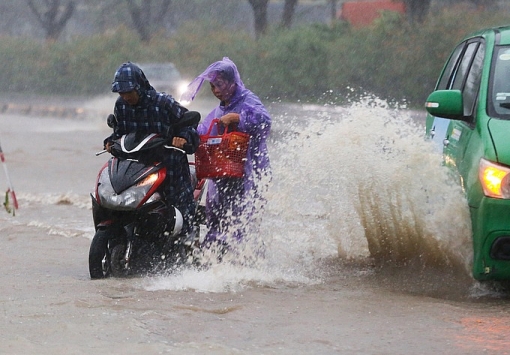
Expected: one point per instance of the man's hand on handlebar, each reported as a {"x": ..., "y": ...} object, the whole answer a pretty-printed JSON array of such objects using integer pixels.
[
  {"x": 108, "y": 146},
  {"x": 179, "y": 142}
]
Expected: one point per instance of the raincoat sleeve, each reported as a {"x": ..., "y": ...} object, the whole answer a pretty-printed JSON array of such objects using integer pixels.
[
  {"x": 203, "y": 127},
  {"x": 174, "y": 107},
  {"x": 177, "y": 111},
  {"x": 254, "y": 118},
  {"x": 191, "y": 136}
]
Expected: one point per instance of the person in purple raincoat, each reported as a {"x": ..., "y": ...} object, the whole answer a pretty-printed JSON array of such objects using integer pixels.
[{"x": 233, "y": 205}]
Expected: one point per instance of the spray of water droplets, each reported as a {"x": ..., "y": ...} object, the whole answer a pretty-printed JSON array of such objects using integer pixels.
[{"x": 359, "y": 183}]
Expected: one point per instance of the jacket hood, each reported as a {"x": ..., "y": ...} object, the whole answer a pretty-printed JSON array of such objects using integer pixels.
[{"x": 129, "y": 77}]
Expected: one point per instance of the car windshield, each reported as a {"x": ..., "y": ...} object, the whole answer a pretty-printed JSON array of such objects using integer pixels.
[
  {"x": 161, "y": 72},
  {"x": 500, "y": 83}
]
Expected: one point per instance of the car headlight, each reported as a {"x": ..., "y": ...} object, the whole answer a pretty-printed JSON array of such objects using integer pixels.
[
  {"x": 495, "y": 179},
  {"x": 181, "y": 88}
]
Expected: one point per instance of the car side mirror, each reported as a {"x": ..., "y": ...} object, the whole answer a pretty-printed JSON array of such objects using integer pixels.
[{"x": 446, "y": 104}]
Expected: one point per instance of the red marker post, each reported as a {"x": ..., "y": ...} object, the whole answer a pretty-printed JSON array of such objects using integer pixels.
[{"x": 9, "y": 194}]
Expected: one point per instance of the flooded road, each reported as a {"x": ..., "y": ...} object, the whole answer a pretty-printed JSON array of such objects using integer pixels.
[{"x": 368, "y": 250}]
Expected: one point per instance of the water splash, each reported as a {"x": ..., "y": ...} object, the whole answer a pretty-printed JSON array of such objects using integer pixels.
[
  {"x": 381, "y": 186},
  {"x": 358, "y": 183}
]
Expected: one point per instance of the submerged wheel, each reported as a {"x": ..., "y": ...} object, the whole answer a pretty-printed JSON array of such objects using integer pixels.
[
  {"x": 99, "y": 257},
  {"x": 117, "y": 262}
]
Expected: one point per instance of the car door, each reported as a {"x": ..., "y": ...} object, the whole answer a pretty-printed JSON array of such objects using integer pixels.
[
  {"x": 438, "y": 127},
  {"x": 462, "y": 72}
]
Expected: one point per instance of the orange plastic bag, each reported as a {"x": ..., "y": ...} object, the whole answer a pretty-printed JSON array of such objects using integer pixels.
[{"x": 221, "y": 156}]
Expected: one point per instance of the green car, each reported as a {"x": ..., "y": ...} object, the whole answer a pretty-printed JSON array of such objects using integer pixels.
[{"x": 469, "y": 117}]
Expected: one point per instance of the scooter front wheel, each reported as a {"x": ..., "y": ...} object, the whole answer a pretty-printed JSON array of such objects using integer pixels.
[
  {"x": 118, "y": 262},
  {"x": 99, "y": 256}
]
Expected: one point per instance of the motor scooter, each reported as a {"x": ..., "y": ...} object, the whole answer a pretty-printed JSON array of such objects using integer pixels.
[{"x": 135, "y": 230}]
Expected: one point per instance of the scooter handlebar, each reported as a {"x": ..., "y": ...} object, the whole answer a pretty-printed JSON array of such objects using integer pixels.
[{"x": 175, "y": 148}]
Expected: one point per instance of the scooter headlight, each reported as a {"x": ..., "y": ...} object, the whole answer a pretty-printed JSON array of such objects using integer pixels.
[
  {"x": 495, "y": 179},
  {"x": 128, "y": 199},
  {"x": 149, "y": 180}
]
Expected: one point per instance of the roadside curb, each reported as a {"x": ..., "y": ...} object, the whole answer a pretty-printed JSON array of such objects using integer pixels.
[
  {"x": 55, "y": 106},
  {"x": 53, "y": 111}
]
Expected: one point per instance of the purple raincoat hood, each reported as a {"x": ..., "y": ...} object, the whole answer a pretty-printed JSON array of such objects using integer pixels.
[{"x": 210, "y": 74}]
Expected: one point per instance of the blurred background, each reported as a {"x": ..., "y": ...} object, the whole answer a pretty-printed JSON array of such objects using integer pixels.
[{"x": 320, "y": 51}]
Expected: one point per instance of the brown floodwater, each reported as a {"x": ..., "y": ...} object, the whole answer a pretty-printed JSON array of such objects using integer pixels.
[{"x": 367, "y": 249}]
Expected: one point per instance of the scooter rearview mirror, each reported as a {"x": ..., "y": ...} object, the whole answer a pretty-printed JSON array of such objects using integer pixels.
[
  {"x": 111, "y": 121},
  {"x": 190, "y": 118}
]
